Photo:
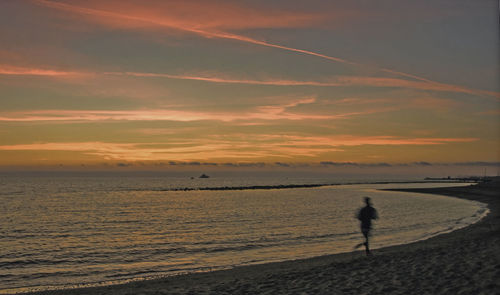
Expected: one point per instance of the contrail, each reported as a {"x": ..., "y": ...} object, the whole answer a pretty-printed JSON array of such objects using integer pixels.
[
  {"x": 337, "y": 81},
  {"x": 214, "y": 34},
  {"x": 226, "y": 80}
]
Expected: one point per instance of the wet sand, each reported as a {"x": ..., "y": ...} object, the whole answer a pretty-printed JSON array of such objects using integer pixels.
[{"x": 466, "y": 261}]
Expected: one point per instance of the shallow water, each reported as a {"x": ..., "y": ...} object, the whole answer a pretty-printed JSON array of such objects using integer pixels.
[{"x": 59, "y": 232}]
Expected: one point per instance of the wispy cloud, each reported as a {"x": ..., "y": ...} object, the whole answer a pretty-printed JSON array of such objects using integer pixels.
[
  {"x": 410, "y": 100},
  {"x": 336, "y": 81},
  {"x": 192, "y": 15},
  {"x": 354, "y": 164},
  {"x": 268, "y": 112},
  {"x": 491, "y": 112},
  {"x": 176, "y": 17},
  {"x": 401, "y": 83},
  {"x": 24, "y": 71},
  {"x": 414, "y": 164},
  {"x": 137, "y": 18},
  {"x": 352, "y": 140},
  {"x": 144, "y": 152},
  {"x": 213, "y": 149},
  {"x": 223, "y": 79}
]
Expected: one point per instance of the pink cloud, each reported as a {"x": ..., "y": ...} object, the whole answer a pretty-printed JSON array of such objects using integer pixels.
[
  {"x": 193, "y": 19},
  {"x": 24, "y": 71},
  {"x": 205, "y": 19},
  {"x": 99, "y": 115},
  {"x": 185, "y": 15}
]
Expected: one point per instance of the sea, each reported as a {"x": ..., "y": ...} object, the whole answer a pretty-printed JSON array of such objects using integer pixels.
[{"x": 68, "y": 230}]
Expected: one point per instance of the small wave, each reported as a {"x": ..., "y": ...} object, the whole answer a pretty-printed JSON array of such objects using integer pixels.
[
  {"x": 12, "y": 193},
  {"x": 20, "y": 263},
  {"x": 144, "y": 273}
]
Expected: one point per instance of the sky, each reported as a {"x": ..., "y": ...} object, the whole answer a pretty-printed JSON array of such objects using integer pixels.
[{"x": 168, "y": 84}]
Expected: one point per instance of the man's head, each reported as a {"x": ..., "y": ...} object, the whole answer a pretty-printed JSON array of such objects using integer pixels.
[{"x": 368, "y": 201}]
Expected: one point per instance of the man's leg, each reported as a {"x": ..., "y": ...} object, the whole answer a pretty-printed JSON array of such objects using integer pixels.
[{"x": 366, "y": 233}]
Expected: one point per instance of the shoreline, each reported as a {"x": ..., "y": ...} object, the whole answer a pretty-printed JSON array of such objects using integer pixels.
[{"x": 465, "y": 260}]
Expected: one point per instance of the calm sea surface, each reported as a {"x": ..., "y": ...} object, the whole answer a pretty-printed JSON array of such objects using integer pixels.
[{"x": 67, "y": 231}]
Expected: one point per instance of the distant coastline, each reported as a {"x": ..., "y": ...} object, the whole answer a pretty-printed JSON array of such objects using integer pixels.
[{"x": 288, "y": 186}]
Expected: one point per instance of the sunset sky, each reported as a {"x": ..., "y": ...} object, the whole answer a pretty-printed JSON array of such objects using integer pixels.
[{"x": 248, "y": 83}]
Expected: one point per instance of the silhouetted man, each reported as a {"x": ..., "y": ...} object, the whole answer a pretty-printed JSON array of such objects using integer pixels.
[{"x": 365, "y": 215}]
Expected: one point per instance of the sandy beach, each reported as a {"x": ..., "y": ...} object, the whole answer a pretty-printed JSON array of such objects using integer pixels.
[{"x": 466, "y": 261}]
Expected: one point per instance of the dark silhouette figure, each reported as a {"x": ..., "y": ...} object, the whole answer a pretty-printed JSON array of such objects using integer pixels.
[{"x": 365, "y": 215}]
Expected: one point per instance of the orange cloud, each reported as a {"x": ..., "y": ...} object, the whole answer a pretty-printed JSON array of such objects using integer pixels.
[
  {"x": 336, "y": 81},
  {"x": 423, "y": 85},
  {"x": 331, "y": 82},
  {"x": 23, "y": 71},
  {"x": 264, "y": 146},
  {"x": 413, "y": 101},
  {"x": 351, "y": 140},
  {"x": 274, "y": 112},
  {"x": 92, "y": 115},
  {"x": 143, "y": 152},
  {"x": 201, "y": 18},
  {"x": 185, "y": 15},
  {"x": 225, "y": 80}
]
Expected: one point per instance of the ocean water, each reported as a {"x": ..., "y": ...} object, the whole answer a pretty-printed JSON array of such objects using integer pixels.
[{"x": 64, "y": 231}]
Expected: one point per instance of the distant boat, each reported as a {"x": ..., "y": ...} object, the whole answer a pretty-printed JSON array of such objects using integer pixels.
[{"x": 204, "y": 176}]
